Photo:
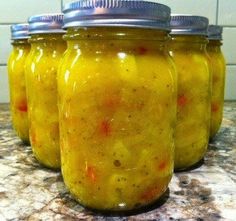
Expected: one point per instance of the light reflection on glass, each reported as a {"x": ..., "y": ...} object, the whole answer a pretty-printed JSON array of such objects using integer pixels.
[
  {"x": 76, "y": 57},
  {"x": 121, "y": 55},
  {"x": 67, "y": 76}
]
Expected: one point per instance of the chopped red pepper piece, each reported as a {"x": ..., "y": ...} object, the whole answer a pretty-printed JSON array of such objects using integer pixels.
[
  {"x": 162, "y": 165},
  {"x": 105, "y": 128},
  {"x": 215, "y": 79},
  {"x": 149, "y": 194},
  {"x": 54, "y": 132},
  {"x": 142, "y": 50},
  {"x": 111, "y": 101},
  {"x": 91, "y": 173},
  {"x": 182, "y": 100},
  {"x": 140, "y": 105},
  {"x": 32, "y": 137},
  {"x": 22, "y": 106},
  {"x": 214, "y": 107}
]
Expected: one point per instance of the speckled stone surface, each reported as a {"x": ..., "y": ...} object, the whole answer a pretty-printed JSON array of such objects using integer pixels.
[{"x": 31, "y": 192}]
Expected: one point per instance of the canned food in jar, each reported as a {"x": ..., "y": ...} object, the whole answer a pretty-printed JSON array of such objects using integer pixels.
[
  {"x": 117, "y": 103},
  {"x": 218, "y": 77},
  {"x": 16, "y": 76},
  {"x": 47, "y": 48},
  {"x": 188, "y": 50}
]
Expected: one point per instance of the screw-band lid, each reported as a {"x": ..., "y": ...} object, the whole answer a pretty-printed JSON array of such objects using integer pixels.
[
  {"x": 20, "y": 31},
  {"x": 188, "y": 25},
  {"x": 46, "y": 23},
  {"x": 128, "y": 13},
  {"x": 215, "y": 32}
]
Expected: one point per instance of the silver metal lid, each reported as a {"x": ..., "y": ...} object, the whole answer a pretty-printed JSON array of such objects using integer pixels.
[
  {"x": 128, "y": 13},
  {"x": 188, "y": 25},
  {"x": 20, "y": 31},
  {"x": 215, "y": 32},
  {"x": 46, "y": 23}
]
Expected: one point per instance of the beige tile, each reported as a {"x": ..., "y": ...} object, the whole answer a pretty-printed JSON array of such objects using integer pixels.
[
  {"x": 227, "y": 12},
  {"x": 230, "y": 87},
  {"x": 4, "y": 91},
  {"x": 205, "y": 8},
  {"x": 5, "y": 43},
  {"x": 14, "y": 11},
  {"x": 229, "y": 45},
  {"x": 66, "y": 1}
]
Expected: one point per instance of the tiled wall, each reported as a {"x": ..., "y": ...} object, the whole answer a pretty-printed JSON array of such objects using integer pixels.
[{"x": 218, "y": 11}]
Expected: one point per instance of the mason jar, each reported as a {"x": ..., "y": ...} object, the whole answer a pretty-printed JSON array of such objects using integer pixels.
[
  {"x": 117, "y": 104},
  {"x": 218, "y": 76},
  {"x": 16, "y": 77},
  {"x": 188, "y": 50},
  {"x": 47, "y": 48}
]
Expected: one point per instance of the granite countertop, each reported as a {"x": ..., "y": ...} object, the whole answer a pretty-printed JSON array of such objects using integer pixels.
[{"x": 31, "y": 192}]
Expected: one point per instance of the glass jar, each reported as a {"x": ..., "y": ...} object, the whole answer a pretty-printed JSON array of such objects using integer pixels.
[
  {"x": 47, "y": 47},
  {"x": 117, "y": 103},
  {"x": 16, "y": 76},
  {"x": 188, "y": 50},
  {"x": 218, "y": 77}
]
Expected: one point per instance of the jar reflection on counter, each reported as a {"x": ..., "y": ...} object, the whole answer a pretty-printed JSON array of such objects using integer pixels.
[
  {"x": 16, "y": 76},
  {"x": 188, "y": 49},
  {"x": 117, "y": 103},
  {"x": 47, "y": 47},
  {"x": 218, "y": 77}
]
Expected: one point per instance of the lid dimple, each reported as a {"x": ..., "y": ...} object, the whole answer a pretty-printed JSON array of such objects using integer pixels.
[
  {"x": 20, "y": 31},
  {"x": 188, "y": 25},
  {"x": 215, "y": 32},
  {"x": 128, "y": 13},
  {"x": 46, "y": 23}
]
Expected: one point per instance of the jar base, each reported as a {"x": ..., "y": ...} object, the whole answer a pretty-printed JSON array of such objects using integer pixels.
[
  {"x": 46, "y": 166},
  {"x": 25, "y": 142},
  {"x": 142, "y": 209},
  {"x": 193, "y": 167},
  {"x": 214, "y": 136}
]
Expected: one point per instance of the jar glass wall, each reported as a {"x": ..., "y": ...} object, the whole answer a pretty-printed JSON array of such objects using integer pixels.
[
  {"x": 47, "y": 48},
  {"x": 193, "y": 102},
  {"x": 41, "y": 72},
  {"x": 117, "y": 110},
  {"x": 18, "y": 100},
  {"x": 188, "y": 50},
  {"x": 218, "y": 84}
]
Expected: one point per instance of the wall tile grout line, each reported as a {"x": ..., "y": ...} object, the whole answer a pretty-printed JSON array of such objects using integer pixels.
[
  {"x": 229, "y": 26},
  {"x": 10, "y": 23},
  {"x": 217, "y": 11},
  {"x": 61, "y": 5}
]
